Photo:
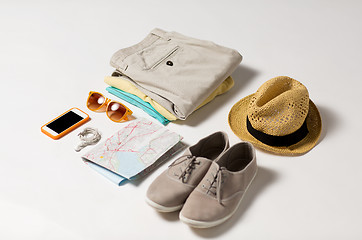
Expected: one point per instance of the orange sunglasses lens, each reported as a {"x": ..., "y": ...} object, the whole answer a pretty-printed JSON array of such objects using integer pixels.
[
  {"x": 95, "y": 101},
  {"x": 116, "y": 111}
]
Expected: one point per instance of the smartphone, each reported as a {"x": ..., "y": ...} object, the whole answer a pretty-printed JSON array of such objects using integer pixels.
[{"x": 65, "y": 123}]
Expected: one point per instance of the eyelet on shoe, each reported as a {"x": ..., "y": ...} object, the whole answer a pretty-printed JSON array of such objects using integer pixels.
[{"x": 203, "y": 185}]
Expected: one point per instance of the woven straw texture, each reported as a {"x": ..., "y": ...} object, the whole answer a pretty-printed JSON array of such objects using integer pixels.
[{"x": 278, "y": 108}]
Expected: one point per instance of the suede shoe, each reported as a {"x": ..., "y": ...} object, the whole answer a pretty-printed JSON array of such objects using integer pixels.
[
  {"x": 220, "y": 192},
  {"x": 169, "y": 191}
]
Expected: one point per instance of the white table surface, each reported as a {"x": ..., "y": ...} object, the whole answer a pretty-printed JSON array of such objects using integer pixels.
[{"x": 53, "y": 53}]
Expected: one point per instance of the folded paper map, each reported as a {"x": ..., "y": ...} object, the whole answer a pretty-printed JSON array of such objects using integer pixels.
[{"x": 134, "y": 150}]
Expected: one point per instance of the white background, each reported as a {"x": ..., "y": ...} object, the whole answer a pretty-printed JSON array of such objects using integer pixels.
[{"x": 52, "y": 53}]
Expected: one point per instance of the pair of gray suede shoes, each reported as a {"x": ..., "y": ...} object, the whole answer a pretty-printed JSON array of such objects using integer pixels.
[{"x": 207, "y": 182}]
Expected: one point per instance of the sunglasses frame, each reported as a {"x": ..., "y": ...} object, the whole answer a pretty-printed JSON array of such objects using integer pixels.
[{"x": 104, "y": 107}]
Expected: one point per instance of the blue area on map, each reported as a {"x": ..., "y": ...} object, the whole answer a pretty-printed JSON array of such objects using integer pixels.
[
  {"x": 129, "y": 164},
  {"x": 114, "y": 177}
]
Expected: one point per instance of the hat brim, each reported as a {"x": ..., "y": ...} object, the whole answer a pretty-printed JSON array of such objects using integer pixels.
[{"x": 237, "y": 122}]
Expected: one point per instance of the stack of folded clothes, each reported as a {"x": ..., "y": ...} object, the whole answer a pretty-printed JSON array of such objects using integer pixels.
[
  {"x": 169, "y": 75},
  {"x": 130, "y": 93}
]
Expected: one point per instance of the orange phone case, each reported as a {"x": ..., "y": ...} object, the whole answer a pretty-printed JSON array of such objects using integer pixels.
[{"x": 66, "y": 131}]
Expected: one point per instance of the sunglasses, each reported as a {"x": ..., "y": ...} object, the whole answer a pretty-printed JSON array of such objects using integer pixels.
[{"x": 116, "y": 111}]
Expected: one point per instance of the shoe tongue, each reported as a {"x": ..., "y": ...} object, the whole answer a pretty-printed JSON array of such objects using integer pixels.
[
  {"x": 215, "y": 166},
  {"x": 203, "y": 159},
  {"x": 188, "y": 152}
]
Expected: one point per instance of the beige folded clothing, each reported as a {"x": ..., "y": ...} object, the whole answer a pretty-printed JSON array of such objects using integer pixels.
[
  {"x": 125, "y": 85},
  {"x": 177, "y": 71}
]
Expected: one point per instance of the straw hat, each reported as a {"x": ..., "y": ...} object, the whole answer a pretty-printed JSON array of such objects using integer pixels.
[{"x": 278, "y": 118}]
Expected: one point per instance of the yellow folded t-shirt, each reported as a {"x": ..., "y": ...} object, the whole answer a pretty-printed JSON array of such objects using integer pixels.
[{"x": 125, "y": 85}]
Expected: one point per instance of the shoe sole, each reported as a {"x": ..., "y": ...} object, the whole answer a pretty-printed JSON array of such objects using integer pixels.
[
  {"x": 204, "y": 224},
  {"x": 161, "y": 208}
]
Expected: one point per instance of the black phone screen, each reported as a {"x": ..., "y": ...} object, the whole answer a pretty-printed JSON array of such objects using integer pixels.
[{"x": 64, "y": 122}]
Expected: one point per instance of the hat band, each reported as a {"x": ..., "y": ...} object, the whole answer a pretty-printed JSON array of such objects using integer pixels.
[{"x": 278, "y": 141}]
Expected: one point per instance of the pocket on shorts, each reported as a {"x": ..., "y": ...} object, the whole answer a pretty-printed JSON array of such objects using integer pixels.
[{"x": 157, "y": 53}]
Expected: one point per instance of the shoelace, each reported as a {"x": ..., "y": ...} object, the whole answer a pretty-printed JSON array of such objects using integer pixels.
[
  {"x": 189, "y": 167},
  {"x": 216, "y": 184}
]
